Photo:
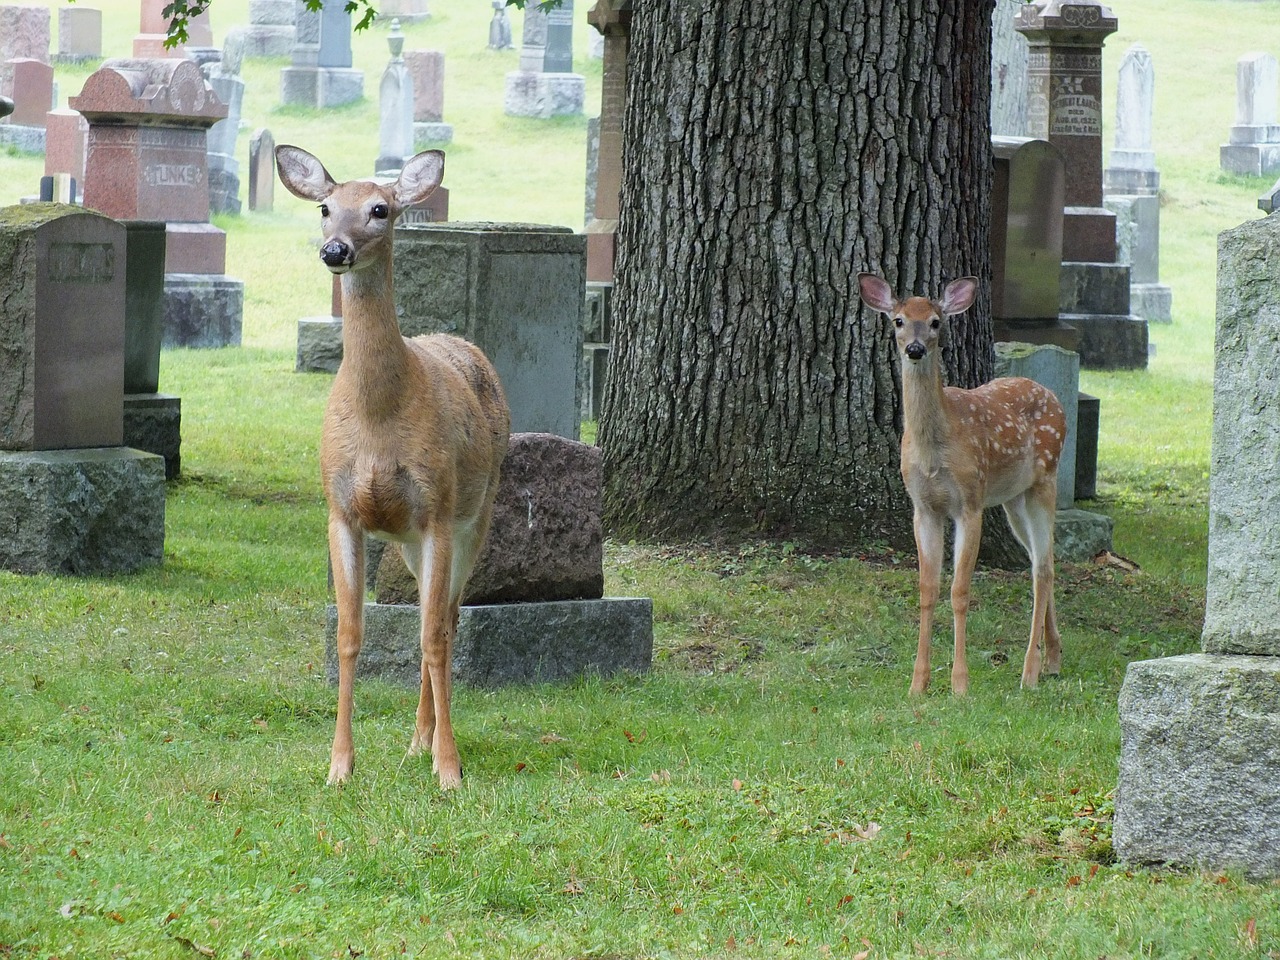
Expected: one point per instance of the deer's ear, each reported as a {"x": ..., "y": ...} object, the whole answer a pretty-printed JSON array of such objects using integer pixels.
[
  {"x": 421, "y": 175},
  {"x": 302, "y": 174},
  {"x": 876, "y": 293},
  {"x": 958, "y": 296}
]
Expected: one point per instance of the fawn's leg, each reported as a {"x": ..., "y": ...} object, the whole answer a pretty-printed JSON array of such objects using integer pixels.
[
  {"x": 929, "y": 548},
  {"x": 968, "y": 536},
  {"x": 439, "y": 618},
  {"x": 1041, "y": 503},
  {"x": 419, "y": 558}
]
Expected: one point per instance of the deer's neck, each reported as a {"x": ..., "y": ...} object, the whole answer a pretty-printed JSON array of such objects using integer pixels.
[
  {"x": 924, "y": 414},
  {"x": 374, "y": 354}
]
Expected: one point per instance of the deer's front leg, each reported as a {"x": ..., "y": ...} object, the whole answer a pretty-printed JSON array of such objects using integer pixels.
[
  {"x": 968, "y": 536},
  {"x": 929, "y": 547},
  {"x": 439, "y": 618},
  {"x": 346, "y": 553}
]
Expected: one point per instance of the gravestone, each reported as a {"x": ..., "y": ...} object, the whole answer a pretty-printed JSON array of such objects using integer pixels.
[
  {"x": 149, "y": 43},
  {"x": 32, "y": 91},
  {"x": 24, "y": 33},
  {"x": 79, "y": 34},
  {"x": 1008, "y": 72},
  {"x": 1064, "y": 87},
  {"x": 320, "y": 338},
  {"x": 262, "y": 171},
  {"x": 322, "y": 74},
  {"x": 1199, "y": 782},
  {"x": 611, "y": 18},
  {"x": 224, "y": 168},
  {"x": 514, "y": 290},
  {"x": 65, "y": 144},
  {"x": 148, "y": 160},
  {"x": 1027, "y": 197},
  {"x": 1253, "y": 145},
  {"x": 426, "y": 67},
  {"x": 534, "y": 609},
  {"x": 544, "y": 86},
  {"x": 500, "y": 27},
  {"x": 1269, "y": 201},
  {"x": 395, "y": 99},
  {"x": 1132, "y": 188},
  {"x": 271, "y": 28},
  {"x": 76, "y": 499},
  {"x": 406, "y": 11}
]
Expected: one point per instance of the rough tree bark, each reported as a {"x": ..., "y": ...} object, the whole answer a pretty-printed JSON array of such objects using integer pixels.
[{"x": 775, "y": 149}]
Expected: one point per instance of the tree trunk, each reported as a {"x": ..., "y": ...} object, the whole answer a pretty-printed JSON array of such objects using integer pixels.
[{"x": 774, "y": 150}]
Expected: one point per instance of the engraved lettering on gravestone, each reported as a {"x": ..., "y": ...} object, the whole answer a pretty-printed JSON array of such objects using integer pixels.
[
  {"x": 81, "y": 262},
  {"x": 1081, "y": 16},
  {"x": 174, "y": 175},
  {"x": 1076, "y": 113}
]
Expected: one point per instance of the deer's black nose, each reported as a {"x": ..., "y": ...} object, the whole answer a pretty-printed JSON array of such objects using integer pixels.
[
  {"x": 915, "y": 350},
  {"x": 335, "y": 253}
]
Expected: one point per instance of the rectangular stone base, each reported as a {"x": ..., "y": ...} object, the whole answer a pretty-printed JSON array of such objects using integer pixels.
[
  {"x": 1153, "y": 302},
  {"x": 544, "y": 95},
  {"x": 1111, "y": 342},
  {"x": 507, "y": 643},
  {"x": 321, "y": 87},
  {"x": 1200, "y": 764},
  {"x": 1080, "y": 535},
  {"x": 319, "y": 345},
  {"x": 202, "y": 310},
  {"x": 1250, "y": 159},
  {"x": 1044, "y": 332},
  {"x": 81, "y": 511},
  {"x": 153, "y": 424}
]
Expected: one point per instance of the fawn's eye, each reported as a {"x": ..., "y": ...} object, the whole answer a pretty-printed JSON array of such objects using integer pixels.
[
  {"x": 380, "y": 211},
  {"x": 897, "y": 322},
  {"x": 324, "y": 210},
  {"x": 935, "y": 324}
]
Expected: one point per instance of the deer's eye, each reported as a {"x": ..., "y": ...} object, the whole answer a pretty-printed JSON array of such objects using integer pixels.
[
  {"x": 380, "y": 211},
  {"x": 324, "y": 210},
  {"x": 935, "y": 324},
  {"x": 897, "y": 322}
]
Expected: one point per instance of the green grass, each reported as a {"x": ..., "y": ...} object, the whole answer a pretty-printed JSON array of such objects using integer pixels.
[{"x": 767, "y": 790}]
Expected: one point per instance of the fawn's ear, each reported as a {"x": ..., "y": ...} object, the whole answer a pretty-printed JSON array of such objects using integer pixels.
[
  {"x": 302, "y": 174},
  {"x": 958, "y": 296},
  {"x": 876, "y": 293},
  {"x": 419, "y": 177}
]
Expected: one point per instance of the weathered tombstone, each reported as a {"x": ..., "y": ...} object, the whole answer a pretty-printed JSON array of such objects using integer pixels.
[
  {"x": 1027, "y": 196},
  {"x": 319, "y": 347},
  {"x": 516, "y": 291},
  {"x": 1064, "y": 83},
  {"x": 1008, "y": 72},
  {"x": 534, "y": 609},
  {"x": 66, "y": 141},
  {"x": 544, "y": 86},
  {"x": 79, "y": 34},
  {"x": 78, "y": 501},
  {"x": 224, "y": 168},
  {"x": 149, "y": 43},
  {"x": 426, "y": 67},
  {"x": 1132, "y": 186},
  {"x": 321, "y": 74},
  {"x": 395, "y": 99},
  {"x": 500, "y": 27},
  {"x": 1199, "y": 781},
  {"x": 406, "y": 11},
  {"x": 271, "y": 28},
  {"x": 24, "y": 33},
  {"x": 1253, "y": 145},
  {"x": 148, "y": 160},
  {"x": 262, "y": 171},
  {"x": 31, "y": 86},
  {"x": 612, "y": 18}
]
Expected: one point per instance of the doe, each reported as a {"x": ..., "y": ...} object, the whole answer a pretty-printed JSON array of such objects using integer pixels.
[
  {"x": 963, "y": 451},
  {"x": 414, "y": 435}
]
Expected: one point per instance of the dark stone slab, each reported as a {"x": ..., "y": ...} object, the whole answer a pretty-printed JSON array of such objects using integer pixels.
[
  {"x": 153, "y": 424},
  {"x": 508, "y": 643}
]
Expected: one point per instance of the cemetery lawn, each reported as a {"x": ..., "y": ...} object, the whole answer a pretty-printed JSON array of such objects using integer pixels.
[{"x": 767, "y": 790}]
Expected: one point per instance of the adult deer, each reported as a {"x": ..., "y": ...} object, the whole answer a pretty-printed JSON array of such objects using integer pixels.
[
  {"x": 414, "y": 436},
  {"x": 963, "y": 451}
]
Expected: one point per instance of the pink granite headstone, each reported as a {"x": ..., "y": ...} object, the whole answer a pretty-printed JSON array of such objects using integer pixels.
[
  {"x": 148, "y": 153},
  {"x": 426, "y": 67},
  {"x": 66, "y": 140},
  {"x": 32, "y": 91},
  {"x": 24, "y": 32}
]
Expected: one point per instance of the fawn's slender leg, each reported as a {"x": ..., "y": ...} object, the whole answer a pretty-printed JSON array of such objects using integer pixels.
[
  {"x": 929, "y": 549},
  {"x": 346, "y": 548},
  {"x": 1040, "y": 509},
  {"x": 419, "y": 558},
  {"x": 968, "y": 536}
]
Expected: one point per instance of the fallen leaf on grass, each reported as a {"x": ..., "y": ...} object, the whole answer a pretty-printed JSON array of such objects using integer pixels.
[
  {"x": 199, "y": 948},
  {"x": 1251, "y": 932}
]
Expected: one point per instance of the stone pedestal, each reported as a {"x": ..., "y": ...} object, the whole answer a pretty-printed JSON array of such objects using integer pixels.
[
  {"x": 203, "y": 310},
  {"x": 1253, "y": 144},
  {"x": 153, "y": 424},
  {"x": 271, "y": 31},
  {"x": 321, "y": 75},
  {"x": 507, "y": 643},
  {"x": 79, "y": 34},
  {"x": 1200, "y": 735},
  {"x": 597, "y": 334},
  {"x": 82, "y": 511},
  {"x": 319, "y": 345}
]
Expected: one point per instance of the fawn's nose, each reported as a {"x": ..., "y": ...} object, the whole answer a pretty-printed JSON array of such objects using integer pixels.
[
  {"x": 915, "y": 350},
  {"x": 335, "y": 253}
]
